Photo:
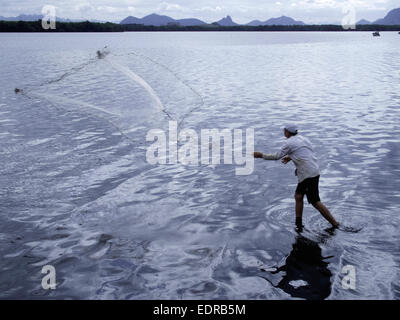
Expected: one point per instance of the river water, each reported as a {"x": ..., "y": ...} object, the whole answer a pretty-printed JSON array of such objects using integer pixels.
[{"x": 77, "y": 191}]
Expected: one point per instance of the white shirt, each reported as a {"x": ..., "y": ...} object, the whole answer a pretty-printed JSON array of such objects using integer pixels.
[{"x": 299, "y": 149}]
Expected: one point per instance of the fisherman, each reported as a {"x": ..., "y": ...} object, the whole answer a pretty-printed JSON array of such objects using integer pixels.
[{"x": 299, "y": 149}]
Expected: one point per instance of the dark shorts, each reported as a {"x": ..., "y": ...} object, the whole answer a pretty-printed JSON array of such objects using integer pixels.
[{"x": 309, "y": 187}]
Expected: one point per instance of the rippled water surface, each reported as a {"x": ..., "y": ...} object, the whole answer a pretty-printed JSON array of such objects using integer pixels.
[{"x": 76, "y": 191}]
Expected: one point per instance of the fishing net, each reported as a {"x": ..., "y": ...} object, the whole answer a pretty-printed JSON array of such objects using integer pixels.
[{"x": 129, "y": 91}]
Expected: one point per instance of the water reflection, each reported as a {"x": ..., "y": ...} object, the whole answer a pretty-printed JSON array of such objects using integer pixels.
[{"x": 306, "y": 273}]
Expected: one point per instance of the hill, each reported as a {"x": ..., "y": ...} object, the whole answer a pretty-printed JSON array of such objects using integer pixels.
[
  {"x": 392, "y": 18},
  {"x": 226, "y": 22},
  {"x": 281, "y": 21},
  {"x": 158, "y": 20}
]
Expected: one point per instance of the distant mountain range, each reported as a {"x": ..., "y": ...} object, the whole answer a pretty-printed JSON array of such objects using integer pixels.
[
  {"x": 35, "y": 17},
  {"x": 157, "y": 20},
  {"x": 281, "y": 21},
  {"x": 392, "y": 18}
]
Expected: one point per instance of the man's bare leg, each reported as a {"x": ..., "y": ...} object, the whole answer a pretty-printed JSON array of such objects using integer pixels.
[
  {"x": 325, "y": 213},
  {"x": 299, "y": 208}
]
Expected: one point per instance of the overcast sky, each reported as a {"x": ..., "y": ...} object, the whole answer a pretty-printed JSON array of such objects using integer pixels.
[{"x": 241, "y": 11}]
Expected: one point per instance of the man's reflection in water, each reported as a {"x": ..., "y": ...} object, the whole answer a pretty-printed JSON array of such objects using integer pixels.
[{"x": 306, "y": 273}]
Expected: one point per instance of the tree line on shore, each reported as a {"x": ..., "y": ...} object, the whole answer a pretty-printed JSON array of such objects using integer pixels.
[{"x": 86, "y": 26}]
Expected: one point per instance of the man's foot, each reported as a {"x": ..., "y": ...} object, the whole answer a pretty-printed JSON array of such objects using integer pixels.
[
  {"x": 299, "y": 224},
  {"x": 331, "y": 230}
]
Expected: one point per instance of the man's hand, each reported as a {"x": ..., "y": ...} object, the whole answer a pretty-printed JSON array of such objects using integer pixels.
[
  {"x": 286, "y": 159},
  {"x": 257, "y": 154}
]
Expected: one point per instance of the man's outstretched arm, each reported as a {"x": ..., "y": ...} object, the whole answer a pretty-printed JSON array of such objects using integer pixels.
[
  {"x": 273, "y": 156},
  {"x": 282, "y": 154}
]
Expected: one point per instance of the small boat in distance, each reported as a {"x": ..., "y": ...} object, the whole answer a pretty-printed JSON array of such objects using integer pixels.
[{"x": 376, "y": 34}]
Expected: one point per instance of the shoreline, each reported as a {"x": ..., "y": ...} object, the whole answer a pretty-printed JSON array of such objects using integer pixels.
[{"x": 36, "y": 26}]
